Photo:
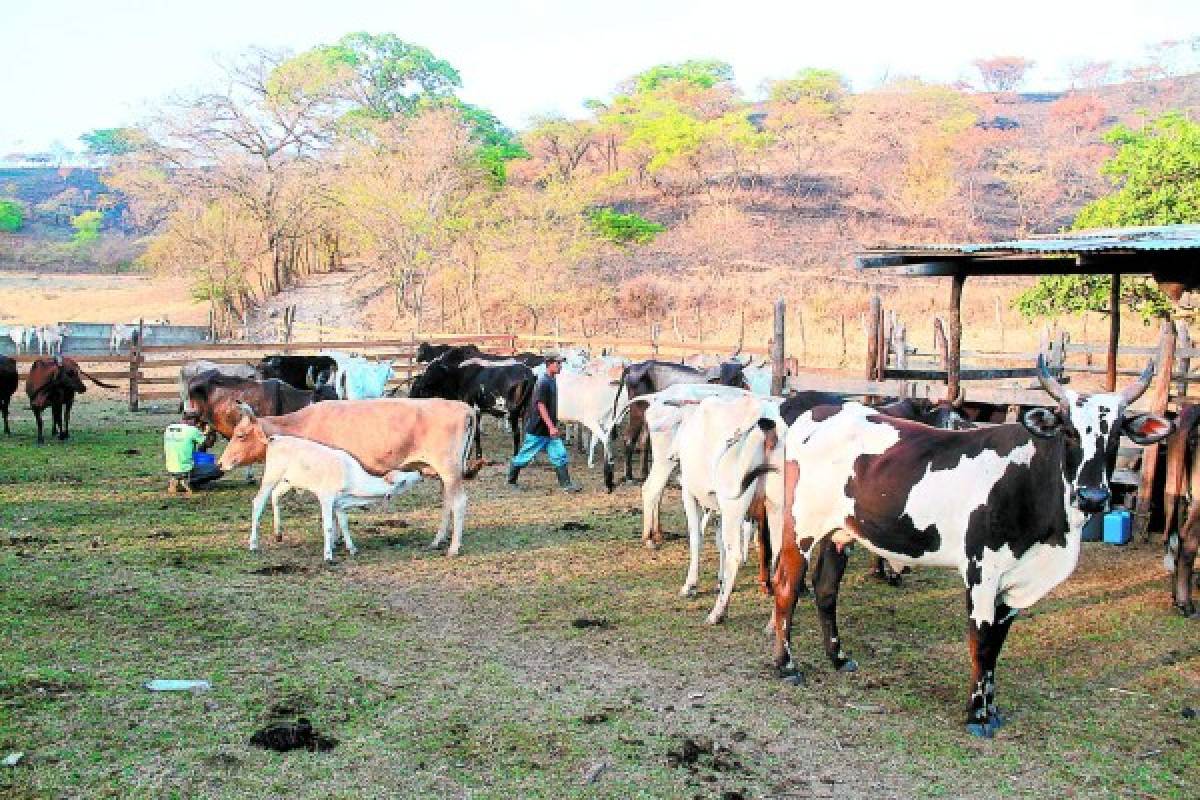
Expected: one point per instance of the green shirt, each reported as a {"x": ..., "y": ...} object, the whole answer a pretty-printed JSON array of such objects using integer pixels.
[{"x": 179, "y": 446}]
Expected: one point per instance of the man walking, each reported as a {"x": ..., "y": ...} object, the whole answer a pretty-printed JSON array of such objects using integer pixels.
[{"x": 541, "y": 428}]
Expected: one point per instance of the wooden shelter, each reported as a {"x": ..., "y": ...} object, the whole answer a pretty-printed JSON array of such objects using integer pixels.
[{"x": 1165, "y": 253}]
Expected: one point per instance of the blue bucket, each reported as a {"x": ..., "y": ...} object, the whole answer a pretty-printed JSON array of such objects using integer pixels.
[
  {"x": 1118, "y": 527},
  {"x": 204, "y": 458}
]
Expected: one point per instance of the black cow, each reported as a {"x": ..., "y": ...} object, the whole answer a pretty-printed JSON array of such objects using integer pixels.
[
  {"x": 496, "y": 390},
  {"x": 299, "y": 372},
  {"x": 427, "y": 352},
  {"x": 1005, "y": 506},
  {"x": 8, "y": 386},
  {"x": 647, "y": 377},
  {"x": 217, "y": 398},
  {"x": 54, "y": 382},
  {"x": 1182, "y": 506}
]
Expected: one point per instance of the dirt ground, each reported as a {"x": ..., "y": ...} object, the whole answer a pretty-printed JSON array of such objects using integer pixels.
[
  {"x": 553, "y": 658},
  {"x": 33, "y": 298}
]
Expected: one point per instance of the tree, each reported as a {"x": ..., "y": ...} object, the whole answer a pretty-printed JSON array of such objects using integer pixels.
[
  {"x": 113, "y": 141},
  {"x": 702, "y": 73},
  {"x": 87, "y": 229},
  {"x": 1156, "y": 171},
  {"x": 12, "y": 216},
  {"x": 1002, "y": 73}
]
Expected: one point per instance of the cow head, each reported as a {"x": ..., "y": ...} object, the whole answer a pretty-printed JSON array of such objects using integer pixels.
[
  {"x": 323, "y": 389},
  {"x": 438, "y": 380},
  {"x": 67, "y": 375},
  {"x": 1090, "y": 428},
  {"x": 247, "y": 445},
  {"x": 730, "y": 373}
]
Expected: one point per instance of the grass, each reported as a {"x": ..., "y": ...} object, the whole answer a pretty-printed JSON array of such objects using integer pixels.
[{"x": 466, "y": 677}]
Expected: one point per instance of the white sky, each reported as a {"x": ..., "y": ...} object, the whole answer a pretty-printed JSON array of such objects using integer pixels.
[{"x": 72, "y": 65}]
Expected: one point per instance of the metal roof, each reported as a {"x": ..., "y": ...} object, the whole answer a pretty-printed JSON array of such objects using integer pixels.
[{"x": 1164, "y": 250}]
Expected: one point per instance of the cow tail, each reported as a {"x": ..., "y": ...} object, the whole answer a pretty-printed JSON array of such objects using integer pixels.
[
  {"x": 101, "y": 384},
  {"x": 470, "y": 467}
]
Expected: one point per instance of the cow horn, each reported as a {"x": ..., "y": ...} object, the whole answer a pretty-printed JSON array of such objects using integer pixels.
[
  {"x": 309, "y": 381},
  {"x": 1131, "y": 393},
  {"x": 246, "y": 410},
  {"x": 1050, "y": 383}
]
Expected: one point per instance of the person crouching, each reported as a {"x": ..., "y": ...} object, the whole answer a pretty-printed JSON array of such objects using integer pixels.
[
  {"x": 181, "y": 441},
  {"x": 541, "y": 428}
]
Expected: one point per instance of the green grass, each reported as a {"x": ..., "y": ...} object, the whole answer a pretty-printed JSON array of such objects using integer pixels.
[{"x": 456, "y": 677}]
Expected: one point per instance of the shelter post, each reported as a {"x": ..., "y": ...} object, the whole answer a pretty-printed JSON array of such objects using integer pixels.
[
  {"x": 135, "y": 364},
  {"x": 1160, "y": 390},
  {"x": 874, "y": 322},
  {"x": 778, "y": 357},
  {"x": 1114, "y": 331},
  {"x": 955, "y": 336},
  {"x": 1183, "y": 353}
]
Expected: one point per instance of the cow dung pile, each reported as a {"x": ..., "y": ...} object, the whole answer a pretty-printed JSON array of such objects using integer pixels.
[{"x": 298, "y": 735}]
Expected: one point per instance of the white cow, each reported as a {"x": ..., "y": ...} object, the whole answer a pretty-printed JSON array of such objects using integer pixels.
[
  {"x": 588, "y": 400},
  {"x": 333, "y": 475},
  {"x": 758, "y": 379},
  {"x": 50, "y": 338},
  {"x": 730, "y": 451},
  {"x": 21, "y": 337},
  {"x": 121, "y": 335}
]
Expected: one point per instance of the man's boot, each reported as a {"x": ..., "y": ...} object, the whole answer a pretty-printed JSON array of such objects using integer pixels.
[
  {"x": 513, "y": 472},
  {"x": 564, "y": 480}
]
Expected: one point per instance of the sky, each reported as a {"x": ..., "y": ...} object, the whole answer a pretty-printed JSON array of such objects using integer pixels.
[{"x": 73, "y": 65}]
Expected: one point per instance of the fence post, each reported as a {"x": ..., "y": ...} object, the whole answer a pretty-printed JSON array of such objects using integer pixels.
[
  {"x": 135, "y": 364},
  {"x": 874, "y": 321},
  {"x": 1160, "y": 389},
  {"x": 1184, "y": 347},
  {"x": 778, "y": 349}
]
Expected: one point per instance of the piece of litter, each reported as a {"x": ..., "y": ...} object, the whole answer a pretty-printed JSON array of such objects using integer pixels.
[
  {"x": 12, "y": 759},
  {"x": 162, "y": 685},
  {"x": 695, "y": 695},
  {"x": 595, "y": 772},
  {"x": 1126, "y": 691},
  {"x": 866, "y": 708}
]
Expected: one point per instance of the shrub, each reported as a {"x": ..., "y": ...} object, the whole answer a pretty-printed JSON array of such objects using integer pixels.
[
  {"x": 624, "y": 228},
  {"x": 12, "y": 216}
]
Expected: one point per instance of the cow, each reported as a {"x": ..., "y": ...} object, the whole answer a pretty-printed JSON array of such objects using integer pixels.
[
  {"x": 647, "y": 377},
  {"x": 54, "y": 382},
  {"x": 427, "y": 352},
  {"x": 357, "y": 378},
  {"x": 1182, "y": 507},
  {"x": 501, "y": 391},
  {"x": 8, "y": 386},
  {"x": 384, "y": 434},
  {"x": 338, "y": 481},
  {"x": 1005, "y": 506},
  {"x": 50, "y": 339},
  {"x": 21, "y": 337},
  {"x": 216, "y": 398},
  {"x": 194, "y": 368},
  {"x": 121, "y": 335},
  {"x": 728, "y": 457},
  {"x": 586, "y": 399},
  {"x": 300, "y": 372}
]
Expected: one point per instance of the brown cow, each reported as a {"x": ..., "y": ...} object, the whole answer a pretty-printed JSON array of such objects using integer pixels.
[
  {"x": 1182, "y": 507},
  {"x": 54, "y": 382},
  {"x": 216, "y": 398},
  {"x": 384, "y": 434}
]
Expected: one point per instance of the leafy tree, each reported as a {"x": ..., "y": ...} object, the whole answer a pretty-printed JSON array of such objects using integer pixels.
[
  {"x": 1002, "y": 73},
  {"x": 822, "y": 90},
  {"x": 113, "y": 141},
  {"x": 704, "y": 73},
  {"x": 497, "y": 144},
  {"x": 87, "y": 228},
  {"x": 12, "y": 216},
  {"x": 624, "y": 228},
  {"x": 1157, "y": 172}
]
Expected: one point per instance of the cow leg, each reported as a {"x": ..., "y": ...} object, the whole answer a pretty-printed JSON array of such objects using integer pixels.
[
  {"x": 454, "y": 511},
  {"x": 56, "y": 412},
  {"x": 478, "y": 436},
  {"x": 4, "y": 411},
  {"x": 37, "y": 415},
  {"x": 1185, "y": 561},
  {"x": 785, "y": 583},
  {"x": 730, "y": 542},
  {"x": 884, "y": 571},
  {"x": 645, "y": 441},
  {"x": 987, "y": 627},
  {"x": 327, "y": 527},
  {"x": 652, "y": 494},
  {"x": 256, "y": 510},
  {"x": 514, "y": 421},
  {"x": 343, "y": 521},
  {"x": 695, "y": 523},
  {"x": 827, "y": 579},
  {"x": 66, "y": 420},
  {"x": 277, "y": 494}
]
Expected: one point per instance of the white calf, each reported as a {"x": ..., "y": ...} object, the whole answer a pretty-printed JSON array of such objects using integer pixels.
[
  {"x": 20, "y": 336},
  {"x": 50, "y": 339},
  {"x": 333, "y": 475},
  {"x": 121, "y": 335}
]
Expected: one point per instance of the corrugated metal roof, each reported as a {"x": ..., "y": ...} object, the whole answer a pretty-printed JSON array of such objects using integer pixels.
[{"x": 1162, "y": 237}]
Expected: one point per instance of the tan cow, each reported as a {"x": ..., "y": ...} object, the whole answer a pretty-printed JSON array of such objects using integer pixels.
[{"x": 384, "y": 434}]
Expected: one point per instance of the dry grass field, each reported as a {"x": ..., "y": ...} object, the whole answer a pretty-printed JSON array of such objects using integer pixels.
[{"x": 554, "y": 658}]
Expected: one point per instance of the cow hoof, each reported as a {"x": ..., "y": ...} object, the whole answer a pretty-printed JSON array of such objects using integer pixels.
[
  {"x": 997, "y": 720},
  {"x": 984, "y": 730},
  {"x": 279, "y": 538},
  {"x": 792, "y": 676},
  {"x": 714, "y": 619},
  {"x": 1187, "y": 610},
  {"x": 850, "y": 665},
  {"x": 453, "y": 551},
  {"x": 687, "y": 591}
]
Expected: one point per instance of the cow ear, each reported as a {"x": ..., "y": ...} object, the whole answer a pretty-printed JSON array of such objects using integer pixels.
[
  {"x": 1041, "y": 422},
  {"x": 1148, "y": 428}
]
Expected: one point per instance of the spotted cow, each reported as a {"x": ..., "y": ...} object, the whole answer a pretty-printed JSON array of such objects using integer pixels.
[{"x": 1005, "y": 506}]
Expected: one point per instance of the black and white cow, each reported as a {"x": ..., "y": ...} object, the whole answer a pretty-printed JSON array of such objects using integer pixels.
[
  {"x": 1005, "y": 506},
  {"x": 496, "y": 388}
]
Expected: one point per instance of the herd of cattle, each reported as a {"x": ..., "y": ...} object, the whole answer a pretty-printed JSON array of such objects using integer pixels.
[{"x": 804, "y": 476}]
